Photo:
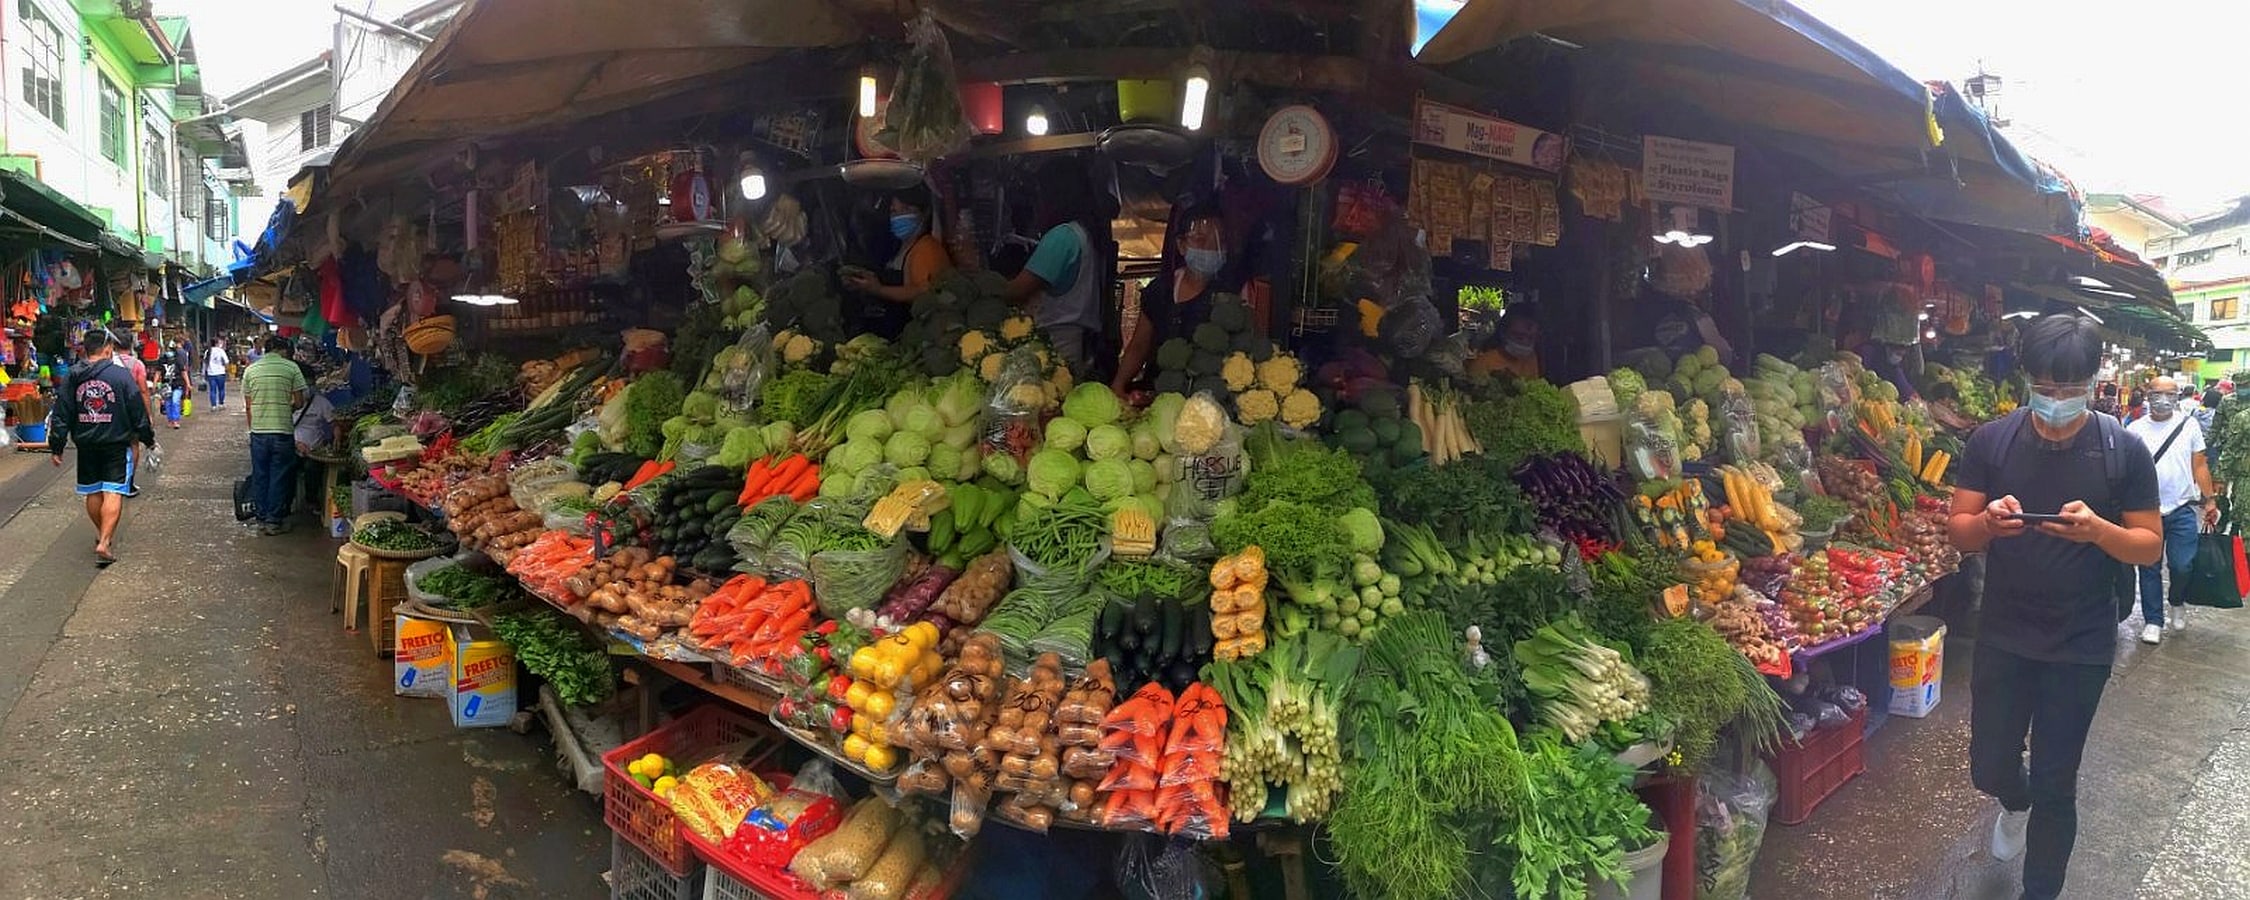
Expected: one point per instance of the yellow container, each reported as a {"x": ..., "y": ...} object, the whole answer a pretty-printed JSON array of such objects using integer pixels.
[
  {"x": 1152, "y": 101},
  {"x": 1605, "y": 439}
]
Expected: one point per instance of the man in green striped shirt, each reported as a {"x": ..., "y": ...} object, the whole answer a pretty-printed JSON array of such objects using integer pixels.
[{"x": 273, "y": 389}]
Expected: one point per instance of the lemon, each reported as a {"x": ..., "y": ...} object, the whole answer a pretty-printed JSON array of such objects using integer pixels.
[
  {"x": 856, "y": 697},
  {"x": 634, "y": 768},
  {"x": 665, "y": 785},
  {"x": 880, "y": 758},
  {"x": 879, "y": 704},
  {"x": 855, "y": 747}
]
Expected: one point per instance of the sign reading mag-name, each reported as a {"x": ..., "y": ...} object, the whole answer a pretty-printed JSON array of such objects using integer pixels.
[
  {"x": 1460, "y": 130},
  {"x": 1690, "y": 172}
]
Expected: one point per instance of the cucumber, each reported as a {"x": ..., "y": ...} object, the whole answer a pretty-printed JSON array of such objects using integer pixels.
[
  {"x": 718, "y": 503},
  {"x": 1168, "y": 642},
  {"x": 1144, "y": 614},
  {"x": 1113, "y": 621},
  {"x": 1199, "y": 642}
]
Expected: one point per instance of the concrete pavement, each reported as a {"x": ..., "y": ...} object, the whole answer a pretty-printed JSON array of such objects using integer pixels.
[
  {"x": 2160, "y": 797},
  {"x": 194, "y": 722}
]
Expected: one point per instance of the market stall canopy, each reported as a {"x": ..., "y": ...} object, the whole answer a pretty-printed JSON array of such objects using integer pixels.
[
  {"x": 1765, "y": 65},
  {"x": 502, "y": 68},
  {"x": 1792, "y": 82},
  {"x": 44, "y": 216}
]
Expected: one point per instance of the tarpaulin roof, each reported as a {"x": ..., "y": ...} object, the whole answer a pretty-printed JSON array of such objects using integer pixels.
[
  {"x": 1798, "y": 85},
  {"x": 504, "y": 67}
]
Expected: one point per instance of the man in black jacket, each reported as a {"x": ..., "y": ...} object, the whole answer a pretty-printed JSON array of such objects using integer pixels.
[{"x": 103, "y": 408}]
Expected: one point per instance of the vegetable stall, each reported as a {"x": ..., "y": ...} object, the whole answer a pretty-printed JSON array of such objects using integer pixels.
[{"x": 1310, "y": 587}]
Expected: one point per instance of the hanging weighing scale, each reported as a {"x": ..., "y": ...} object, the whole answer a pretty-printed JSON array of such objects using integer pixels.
[{"x": 1297, "y": 146}]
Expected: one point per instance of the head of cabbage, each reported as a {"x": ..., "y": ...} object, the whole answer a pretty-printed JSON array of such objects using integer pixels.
[
  {"x": 1053, "y": 472},
  {"x": 1108, "y": 479},
  {"x": 1093, "y": 404},
  {"x": 1064, "y": 433},
  {"x": 1108, "y": 442}
]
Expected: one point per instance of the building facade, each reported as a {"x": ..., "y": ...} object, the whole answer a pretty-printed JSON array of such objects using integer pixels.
[
  {"x": 104, "y": 105},
  {"x": 297, "y": 116},
  {"x": 2209, "y": 268}
]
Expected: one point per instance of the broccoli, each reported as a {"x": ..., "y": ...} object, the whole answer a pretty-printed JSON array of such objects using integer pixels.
[
  {"x": 1211, "y": 338},
  {"x": 1173, "y": 354},
  {"x": 1230, "y": 313},
  {"x": 1205, "y": 363},
  {"x": 1171, "y": 381}
]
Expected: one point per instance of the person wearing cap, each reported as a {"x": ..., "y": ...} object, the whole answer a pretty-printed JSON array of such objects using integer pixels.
[{"x": 101, "y": 408}]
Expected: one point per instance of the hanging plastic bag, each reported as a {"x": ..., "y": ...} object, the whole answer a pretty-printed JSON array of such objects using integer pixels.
[
  {"x": 924, "y": 119},
  {"x": 740, "y": 370},
  {"x": 1738, "y": 421},
  {"x": 1731, "y": 811}
]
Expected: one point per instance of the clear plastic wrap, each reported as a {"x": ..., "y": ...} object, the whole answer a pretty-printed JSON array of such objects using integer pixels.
[
  {"x": 1731, "y": 810},
  {"x": 1738, "y": 422},
  {"x": 845, "y": 580},
  {"x": 849, "y": 852},
  {"x": 892, "y": 872},
  {"x": 1013, "y": 409},
  {"x": 738, "y": 372},
  {"x": 1651, "y": 451}
]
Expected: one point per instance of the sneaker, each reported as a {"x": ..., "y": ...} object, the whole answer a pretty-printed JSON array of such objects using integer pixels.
[
  {"x": 275, "y": 528},
  {"x": 2152, "y": 634},
  {"x": 2175, "y": 617},
  {"x": 2008, "y": 834}
]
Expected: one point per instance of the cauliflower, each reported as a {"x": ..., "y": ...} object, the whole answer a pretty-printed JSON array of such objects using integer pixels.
[
  {"x": 1257, "y": 406},
  {"x": 1300, "y": 409},
  {"x": 988, "y": 368},
  {"x": 1015, "y": 328},
  {"x": 1199, "y": 426},
  {"x": 1239, "y": 372},
  {"x": 799, "y": 348},
  {"x": 1028, "y": 395},
  {"x": 974, "y": 345},
  {"x": 1279, "y": 373}
]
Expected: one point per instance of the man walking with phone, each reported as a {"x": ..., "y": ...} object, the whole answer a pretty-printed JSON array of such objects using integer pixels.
[
  {"x": 2183, "y": 495},
  {"x": 2059, "y": 497}
]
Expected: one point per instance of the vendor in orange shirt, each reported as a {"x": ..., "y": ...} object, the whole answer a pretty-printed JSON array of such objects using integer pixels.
[
  {"x": 920, "y": 260},
  {"x": 1515, "y": 347}
]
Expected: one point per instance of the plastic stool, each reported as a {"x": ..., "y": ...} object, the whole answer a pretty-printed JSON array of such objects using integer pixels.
[{"x": 351, "y": 575}]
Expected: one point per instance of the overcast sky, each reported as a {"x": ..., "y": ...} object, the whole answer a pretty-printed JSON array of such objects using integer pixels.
[
  {"x": 2132, "y": 97},
  {"x": 240, "y": 42}
]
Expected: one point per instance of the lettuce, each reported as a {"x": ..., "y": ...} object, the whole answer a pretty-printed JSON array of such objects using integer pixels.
[
  {"x": 1053, "y": 472},
  {"x": 1093, "y": 404},
  {"x": 1107, "y": 442},
  {"x": 1108, "y": 479}
]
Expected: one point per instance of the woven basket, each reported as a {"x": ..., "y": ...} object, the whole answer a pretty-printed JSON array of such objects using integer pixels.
[{"x": 430, "y": 336}]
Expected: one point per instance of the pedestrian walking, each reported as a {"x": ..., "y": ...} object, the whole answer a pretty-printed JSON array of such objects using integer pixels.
[
  {"x": 171, "y": 385},
  {"x": 122, "y": 351},
  {"x": 273, "y": 390},
  {"x": 2184, "y": 497},
  {"x": 101, "y": 408},
  {"x": 2059, "y": 498},
  {"x": 215, "y": 371},
  {"x": 187, "y": 357}
]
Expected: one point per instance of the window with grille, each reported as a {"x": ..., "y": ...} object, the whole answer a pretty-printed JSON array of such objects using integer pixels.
[
  {"x": 113, "y": 121},
  {"x": 2224, "y": 308},
  {"x": 156, "y": 155},
  {"x": 215, "y": 220},
  {"x": 314, "y": 127},
  {"x": 41, "y": 69}
]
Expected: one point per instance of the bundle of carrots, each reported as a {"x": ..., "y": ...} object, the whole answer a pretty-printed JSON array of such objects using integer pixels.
[
  {"x": 546, "y": 563},
  {"x": 649, "y": 471},
  {"x": 795, "y": 476},
  {"x": 1168, "y": 754},
  {"x": 752, "y": 619}
]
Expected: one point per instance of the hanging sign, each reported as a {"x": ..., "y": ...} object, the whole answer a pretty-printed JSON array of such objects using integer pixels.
[
  {"x": 1690, "y": 172},
  {"x": 1458, "y": 129},
  {"x": 1808, "y": 218}
]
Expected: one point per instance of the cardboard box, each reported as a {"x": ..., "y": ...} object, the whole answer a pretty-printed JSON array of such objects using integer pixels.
[
  {"x": 481, "y": 691},
  {"x": 1917, "y": 665},
  {"x": 420, "y": 658}
]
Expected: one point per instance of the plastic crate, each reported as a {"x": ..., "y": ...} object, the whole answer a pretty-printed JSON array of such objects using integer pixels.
[
  {"x": 718, "y": 885},
  {"x": 633, "y": 875},
  {"x": 1808, "y": 773},
  {"x": 642, "y": 818},
  {"x": 732, "y": 878}
]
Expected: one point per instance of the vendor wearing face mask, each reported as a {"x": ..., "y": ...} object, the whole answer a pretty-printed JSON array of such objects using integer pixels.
[
  {"x": 1178, "y": 300},
  {"x": 921, "y": 258},
  {"x": 1517, "y": 352}
]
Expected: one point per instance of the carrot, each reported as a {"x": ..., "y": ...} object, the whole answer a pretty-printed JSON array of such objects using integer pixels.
[
  {"x": 754, "y": 481},
  {"x": 807, "y": 486},
  {"x": 787, "y": 472},
  {"x": 641, "y": 475}
]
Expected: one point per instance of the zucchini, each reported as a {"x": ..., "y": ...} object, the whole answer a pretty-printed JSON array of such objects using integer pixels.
[
  {"x": 1113, "y": 621},
  {"x": 1168, "y": 643},
  {"x": 1144, "y": 614},
  {"x": 718, "y": 503},
  {"x": 1199, "y": 642}
]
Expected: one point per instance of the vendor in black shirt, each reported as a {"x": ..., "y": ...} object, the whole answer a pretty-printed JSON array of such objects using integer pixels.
[
  {"x": 1180, "y": 296},
  {"x": 2047, "y": 631}
]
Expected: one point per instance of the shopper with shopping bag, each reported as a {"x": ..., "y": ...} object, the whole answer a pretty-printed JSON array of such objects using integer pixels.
[
  {"x": 2217, "y": 573},
  {"x": 2184, "y": 497}
]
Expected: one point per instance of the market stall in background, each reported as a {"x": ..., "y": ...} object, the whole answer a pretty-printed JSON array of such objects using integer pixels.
[{"x": 887, "y": 445}]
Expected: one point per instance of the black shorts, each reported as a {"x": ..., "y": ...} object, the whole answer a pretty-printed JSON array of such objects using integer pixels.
[{"x": 101, "y": 468}]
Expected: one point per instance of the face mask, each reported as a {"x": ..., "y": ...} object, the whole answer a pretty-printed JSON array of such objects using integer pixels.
[
  {"x": 2163, "y": 407},
  {"x": 1203, "y": 262},
  {"x": 2058, "y": 414},
  {"x": 906, "y": 225},
  {"x": 1518, "y": 349}
]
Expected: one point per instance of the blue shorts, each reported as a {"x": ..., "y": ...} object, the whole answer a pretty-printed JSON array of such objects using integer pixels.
[{"x": 102, "y": 469}]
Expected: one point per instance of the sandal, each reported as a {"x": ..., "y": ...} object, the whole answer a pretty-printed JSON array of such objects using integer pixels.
[{"x": 104, "y": 559}]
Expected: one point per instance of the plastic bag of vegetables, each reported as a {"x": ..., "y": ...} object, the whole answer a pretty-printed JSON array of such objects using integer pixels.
[
  {"x": 848, "y": 577},
  {"x": 1731, "y": 815}
]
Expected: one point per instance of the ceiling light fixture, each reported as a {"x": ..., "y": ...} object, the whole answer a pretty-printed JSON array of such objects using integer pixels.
[
  {"x": 867, "y": 91},
  {"x": 1035, "y": 124},
  {"x": 1794, "y": 246}
]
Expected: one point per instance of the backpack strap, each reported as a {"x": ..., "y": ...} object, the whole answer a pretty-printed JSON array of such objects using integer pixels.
[{"x": 2113, "y": 462}]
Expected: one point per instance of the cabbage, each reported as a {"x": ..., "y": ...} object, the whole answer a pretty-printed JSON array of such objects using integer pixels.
[
  {"x": 1167, "y": 469},
  {"x": 945, "y": 461},
  {"x": 972, "y": 462},
  {"x": 899, "y": 403},
  {"x": 835, "y": 485},
  {"x": 1152, "y": 503},
  {"x": 1003, "y": 467},
  {"x": 1366, "y": 531},
  {"x": 868, "y": 425},
  {"x": 924, "y": 421},
  {"x": 1052, "y": 472},
  {"x": 738, "y": 448},
  {"x": 1144, "y": 476},
  {"x": 1107, "y": 442},
  {"x": 1164, "y": 416},
  {"x": 962, "y": 436},
  {"x": 854, "y": 455},
  {"x": 913, "y": 473},
  {"x": 906, "y": 448},
  {"x": 959, "y": 399},
  {"x": 1092, "y": 404},
  {"x": 778, "y": 435},
  {"x": 1145, "y": 445},
  {"x": 1108, "y": 479},
  {"x": 1064, "y": 433}
]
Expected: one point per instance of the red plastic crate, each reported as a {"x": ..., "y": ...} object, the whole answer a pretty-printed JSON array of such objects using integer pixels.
[
  {"x": 733, "y": 878},
  {"x": 640, "y": 816},
  {"x": 1808, "y": 773}
]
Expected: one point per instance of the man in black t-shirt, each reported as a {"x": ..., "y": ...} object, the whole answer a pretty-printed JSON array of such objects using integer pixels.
[{"x": 2048, "y": 628}]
